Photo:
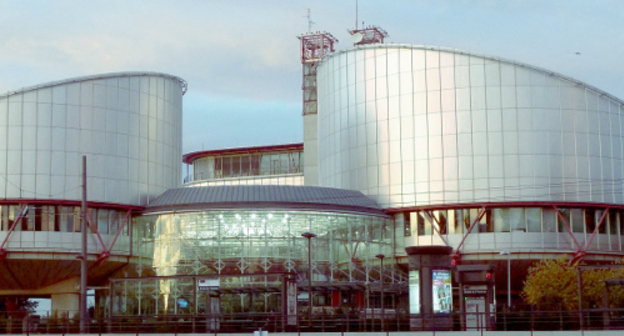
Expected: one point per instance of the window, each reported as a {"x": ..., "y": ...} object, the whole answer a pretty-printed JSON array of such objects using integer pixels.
[
  {"x": 549, "y": 220},
  {"x": 102, "y": 221},
  {"x": 516, "y": 219},
  {"x": 501, "y": 220},
  {"x": 534, "y": 219},
  {"x": 578, "y": 220},
  {"x": 590, "y": 220},
  {"x": 441, "y": 217},
  {"x": 563, "y": 219},
  {"x": 407, "y": 226}
]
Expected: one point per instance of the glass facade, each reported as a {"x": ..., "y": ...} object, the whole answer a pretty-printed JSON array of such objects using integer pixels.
[
  {"x": 410, "y": 125},
  {"x": 263, "y": 240},
  {"x": 251, "y": 165},
  {"x": 518, "y": 228},
  {"x": 244, "y": 247},
  {"x": 49, "y": 227}
]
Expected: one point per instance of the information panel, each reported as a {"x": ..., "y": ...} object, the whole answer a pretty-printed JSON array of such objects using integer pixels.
[
  {"x": 442, "y": 291},
  {"x": 414, "y": 292}
]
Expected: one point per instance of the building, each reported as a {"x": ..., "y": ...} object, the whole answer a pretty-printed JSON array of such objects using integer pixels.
[
  {"x": 267, "y": 165},
  {"x": 447, "y": 141},
  {"x": 499, "y": 160},
  {"x": 129, "y": 127},
  {"x": 405, "y": 146}
]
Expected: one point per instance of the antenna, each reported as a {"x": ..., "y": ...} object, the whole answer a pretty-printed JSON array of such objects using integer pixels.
[
  {"x": 356, "y": 14},
  {"x": 310, "y": 22}
]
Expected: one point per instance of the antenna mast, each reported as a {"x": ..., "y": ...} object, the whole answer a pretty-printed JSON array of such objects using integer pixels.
[
  {"x": 356, "y": 14},
  {"x": 310, "y": 22}
]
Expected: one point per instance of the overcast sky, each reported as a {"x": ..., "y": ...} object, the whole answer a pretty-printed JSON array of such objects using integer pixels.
[{"x": 241, "y": 58}]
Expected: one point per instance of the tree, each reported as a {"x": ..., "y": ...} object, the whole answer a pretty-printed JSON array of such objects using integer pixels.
[{"x": 552, "y": 284}]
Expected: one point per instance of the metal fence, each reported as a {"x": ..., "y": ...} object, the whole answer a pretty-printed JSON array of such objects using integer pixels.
[{"x": 534, "y": 320}]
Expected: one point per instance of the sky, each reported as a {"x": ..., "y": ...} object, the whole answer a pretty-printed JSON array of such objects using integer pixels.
[{"x": 241, "y": 57}]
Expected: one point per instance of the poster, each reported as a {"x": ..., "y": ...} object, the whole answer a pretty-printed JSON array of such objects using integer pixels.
[
  {"x": 291, "y": 302},
  {"x": 442, "y": 291},
  {"x": 414, "y": 292}
]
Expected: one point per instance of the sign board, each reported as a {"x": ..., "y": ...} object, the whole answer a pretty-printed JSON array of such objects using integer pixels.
[
  {"x": 291, "y": 302},
  {"x": 414, "y": 292},
  {"x": 480, "y": 290},
  {"x": 475, "y": 312},
  {"x": 208, "y": 284}
]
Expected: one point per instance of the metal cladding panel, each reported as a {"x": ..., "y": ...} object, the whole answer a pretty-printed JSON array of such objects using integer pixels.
[
  {"x": 271, "y": 195},
  {"x": 127, "y": 124},
  {"x": 416, "y": 126}
]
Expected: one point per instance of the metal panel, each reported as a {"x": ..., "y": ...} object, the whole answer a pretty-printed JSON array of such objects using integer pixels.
[{"x": 493, "y": 109}]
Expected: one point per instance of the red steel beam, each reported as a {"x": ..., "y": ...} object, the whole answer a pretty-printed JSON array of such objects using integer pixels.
[
  {"x": 432, "y": 217},
  {"x": 474, "y": 222},
  {"x": 107, "y": 251},
  {"x": 602, "y": 220},
  {"x": 490, "y": 205},
  {"x": 18, "y": 219},
  {"x": 94, "y": 228},
  {"x": 69, "y": 203},
  {"x": 580, "y": 253},
  {"x": 567, "y": 226}
]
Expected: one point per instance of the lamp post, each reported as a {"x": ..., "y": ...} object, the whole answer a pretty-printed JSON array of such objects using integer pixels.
[
  {"x": 381, "y": 282},
  {"x": 508, "y": 254},
  {"x": 309, "y": 236},
  {"x": 84, "y": 266}
]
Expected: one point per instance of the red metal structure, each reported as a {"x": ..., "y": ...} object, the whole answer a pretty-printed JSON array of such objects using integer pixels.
[
  {"x": 368, "y": 35},
  {"x": 580, "y": 249},
  {"x": 314, "y": 46}
]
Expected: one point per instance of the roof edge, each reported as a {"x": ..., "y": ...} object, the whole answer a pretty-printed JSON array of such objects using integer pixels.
[
  {"x": 192, "y": 156},
  {"x": 182, "y": 82}
]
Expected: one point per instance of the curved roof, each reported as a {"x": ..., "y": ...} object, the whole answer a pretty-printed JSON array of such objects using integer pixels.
[
  {"x": 182, "y": 82},
  {"x": 264, "y": 196},
  {"x": 461, "y": 52}
]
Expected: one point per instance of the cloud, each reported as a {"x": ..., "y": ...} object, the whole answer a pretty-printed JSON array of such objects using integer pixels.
[{"x": 241, "y": 58}]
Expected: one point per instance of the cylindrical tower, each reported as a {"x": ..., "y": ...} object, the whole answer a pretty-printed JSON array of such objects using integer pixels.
[
  {"x": 128, "y": 125},
  {"x": 415, "y": 126}
]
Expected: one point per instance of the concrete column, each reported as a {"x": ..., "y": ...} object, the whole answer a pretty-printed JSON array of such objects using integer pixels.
[
  {"x": 66, "y": 303},
  {"x": 65, "y": 297},
  {"x": 425, "y": 259},
  {"x": 310, "y": 147}
]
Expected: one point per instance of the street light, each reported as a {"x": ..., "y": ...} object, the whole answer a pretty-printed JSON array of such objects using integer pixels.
[
  {"x": 508, "y": 254},
  {"x": 381, "y": 273},
  {"x": 309, "y": 236}
]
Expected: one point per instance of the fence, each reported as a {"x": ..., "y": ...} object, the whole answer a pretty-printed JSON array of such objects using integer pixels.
[{"x": 528, "y": 320}]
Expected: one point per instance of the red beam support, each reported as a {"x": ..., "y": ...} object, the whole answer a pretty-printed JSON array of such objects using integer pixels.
[
  {"x": 567, "y": 226},
  {"x": 434, "y": 219},
  {"x": 107, "y": 251},
  {"x": 18, "y": 219},
  {"x": 580, "y": 253},
  {"x": 602, "y": 220},
  {"x": 472, "y": 225},
  {"x": 94, "y": 228}
]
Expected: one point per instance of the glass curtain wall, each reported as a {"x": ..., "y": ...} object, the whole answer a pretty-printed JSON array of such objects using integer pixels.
[
  {"x": 247, "y": 247},
  {"x": 59, "y": 218},
  {"x": 251, "y": 242},
  {"x": 536, "y": 223},
  {"x": 250, "y": 164}
]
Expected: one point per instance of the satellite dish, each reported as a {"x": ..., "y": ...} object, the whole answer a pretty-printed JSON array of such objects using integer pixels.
[{"x": 357, "y": 37}]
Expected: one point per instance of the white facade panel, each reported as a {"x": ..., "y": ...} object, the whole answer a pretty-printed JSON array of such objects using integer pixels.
[
  {"x": 442, "y": 127},
  {"x": 112, "y": 119}
]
